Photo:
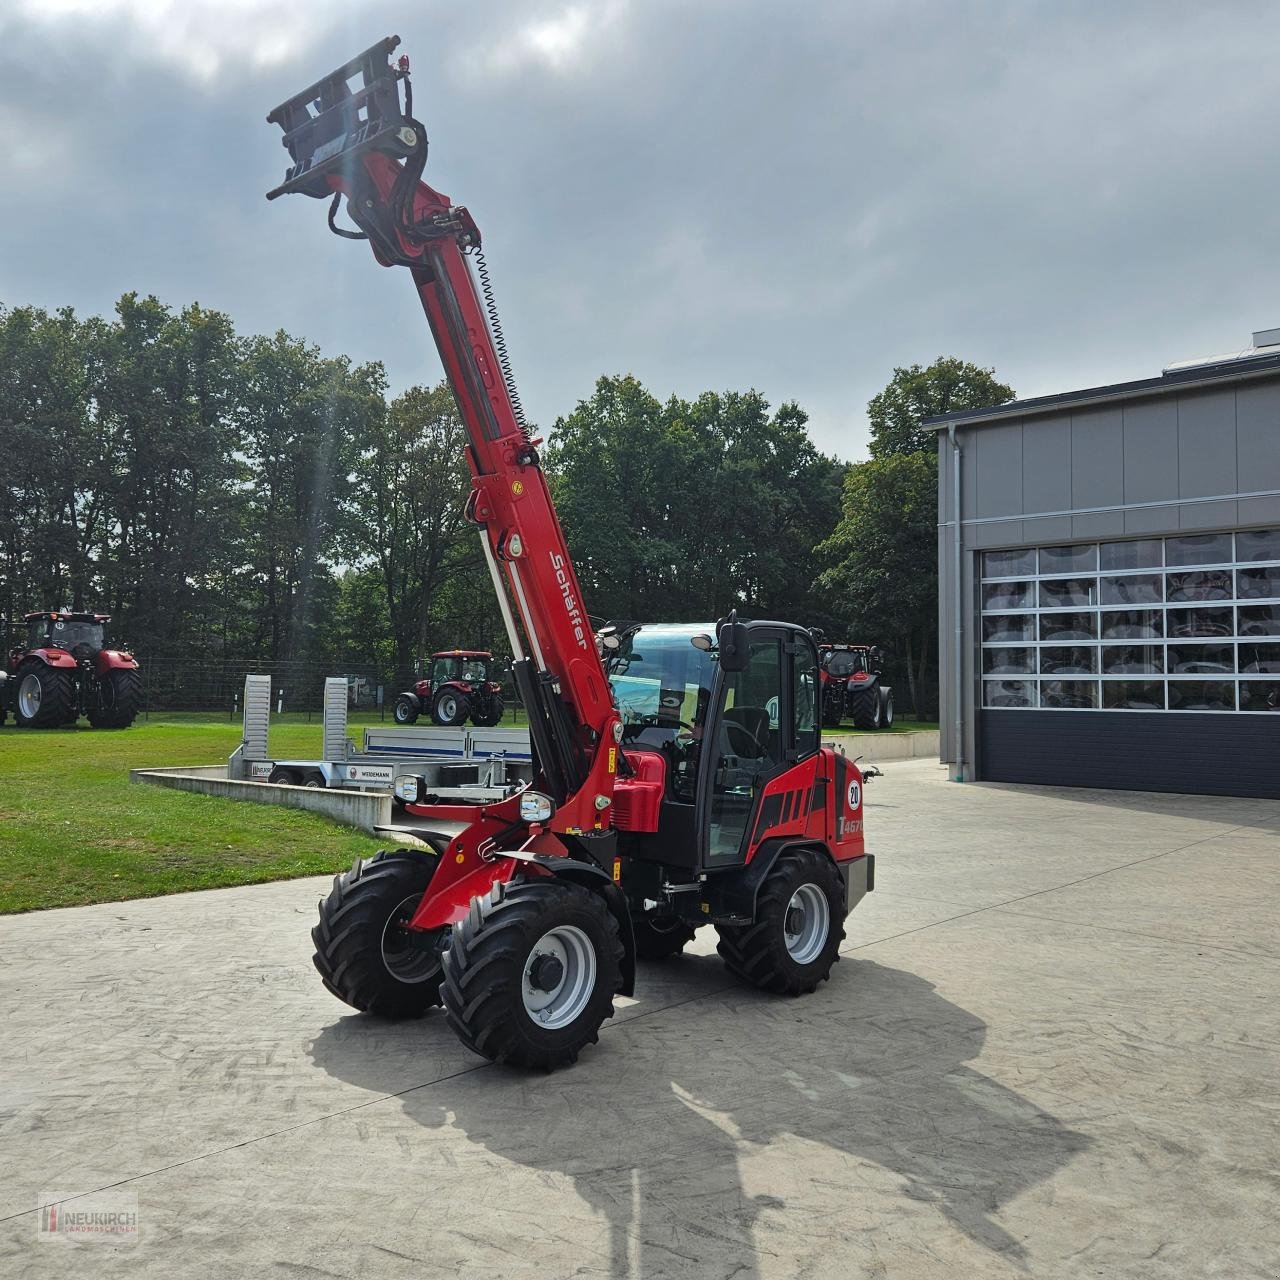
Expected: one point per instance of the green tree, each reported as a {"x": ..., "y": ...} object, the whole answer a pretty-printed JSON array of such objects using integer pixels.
[
  {"x": 883, "y": 552},
  {"x": 689, "y": 508},
  {"x": 408, "y": 517},
  {"x": 916, "y": 393}
]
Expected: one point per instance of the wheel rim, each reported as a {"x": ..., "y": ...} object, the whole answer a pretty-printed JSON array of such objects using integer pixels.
[
  {"x": 410, "y": 955},
  {"x": 806, "y": 923},
  {"x": 448, "y": 707},
  {"x": 559, "y": 977},
  {"x": 30, "y": 695},
  {"x": 402, "y": 712}
]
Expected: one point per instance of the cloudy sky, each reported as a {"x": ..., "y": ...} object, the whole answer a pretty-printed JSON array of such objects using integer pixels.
[{"x": 710, "y": 194}]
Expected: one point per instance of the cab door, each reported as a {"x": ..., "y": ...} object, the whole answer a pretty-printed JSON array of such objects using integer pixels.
[{"x": 750, "y": 738}]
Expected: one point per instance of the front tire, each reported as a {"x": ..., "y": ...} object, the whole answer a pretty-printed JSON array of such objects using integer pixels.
[
  {"x": 799, "y": 924},
  {"x": 530, "y": 974},
  {"x": 406, "y": 710},
  {"x": 450, "y": 708},
  {"x": 886, "y": 710},
  {"x": 45, "y": 696},
  {"x": 365, "y": 953},
  {"x": 119, "y": 700}
]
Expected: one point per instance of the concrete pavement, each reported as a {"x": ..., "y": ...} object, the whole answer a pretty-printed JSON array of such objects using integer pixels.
[{"x": 1050, "y": 1049}]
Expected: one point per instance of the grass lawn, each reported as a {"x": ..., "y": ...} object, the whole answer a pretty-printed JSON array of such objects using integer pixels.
[{"x": 74, "y": 830}]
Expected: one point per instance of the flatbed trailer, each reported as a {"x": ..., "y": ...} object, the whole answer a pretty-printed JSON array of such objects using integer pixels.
[{"x": 478, "y": 765}]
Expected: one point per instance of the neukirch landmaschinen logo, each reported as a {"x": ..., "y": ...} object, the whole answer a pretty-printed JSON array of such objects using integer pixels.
[{"x": 98, "y": 1215}]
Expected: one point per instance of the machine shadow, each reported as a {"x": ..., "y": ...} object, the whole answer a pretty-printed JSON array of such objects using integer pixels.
[{"x": 654, "y": 1125}]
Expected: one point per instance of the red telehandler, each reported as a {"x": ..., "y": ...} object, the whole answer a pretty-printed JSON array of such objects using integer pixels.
[{"x": 678, "y": 774}]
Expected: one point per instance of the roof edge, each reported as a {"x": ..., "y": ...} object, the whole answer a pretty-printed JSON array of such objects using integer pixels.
[{"x": 1235, "y": 370}]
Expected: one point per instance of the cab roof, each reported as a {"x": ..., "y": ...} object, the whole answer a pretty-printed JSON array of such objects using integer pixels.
[{"x": 64, "y": 615}]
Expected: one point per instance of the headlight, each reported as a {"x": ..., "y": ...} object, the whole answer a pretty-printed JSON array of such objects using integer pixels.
[
  {"x": 407, "y": 786},
  {"x": 535, "y": 807}
]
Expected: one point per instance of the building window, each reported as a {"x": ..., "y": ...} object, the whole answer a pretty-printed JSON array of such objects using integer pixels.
[{"x": 1186, "y": 624}]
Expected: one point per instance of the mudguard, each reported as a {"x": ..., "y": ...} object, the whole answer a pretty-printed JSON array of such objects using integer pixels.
[
  {"x": 52, "y": 658},
  {"x": 114, "y": 660}
]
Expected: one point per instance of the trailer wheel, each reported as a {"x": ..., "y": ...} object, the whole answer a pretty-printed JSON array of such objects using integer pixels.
[
  {"x": 365, "y": 953},
  {"x": 284, "y": 777},
  {"x": 119, "y": 700},
  {"x": 864, "y": 707},
  {"x": 406, "y": 710},
  {"x": 661, "y": 937},
  {"x": 531, "y": 973},
  {"x": 45, "y": 696},
  {"x": 314, "y": 779},
  {"x": 795, "y": 938},
  {"x": 450, "y": 707}
]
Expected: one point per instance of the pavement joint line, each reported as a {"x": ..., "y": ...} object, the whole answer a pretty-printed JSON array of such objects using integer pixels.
[
  {"x": 481, "y": 1066},
  {"x": 335, "y": 1115}
]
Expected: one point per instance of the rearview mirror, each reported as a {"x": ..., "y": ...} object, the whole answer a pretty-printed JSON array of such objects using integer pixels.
[{"x": 734, "y": 645}]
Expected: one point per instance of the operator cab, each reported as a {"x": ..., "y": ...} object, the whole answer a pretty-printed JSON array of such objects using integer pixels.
[
  {"x": 842, "y": 663},
  {"x": 79, "y": 634},
  {"x": 721, "y": 734}
]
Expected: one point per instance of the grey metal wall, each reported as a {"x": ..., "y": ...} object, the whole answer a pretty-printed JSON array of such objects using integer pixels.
[{"x": 1196, "y": 459}]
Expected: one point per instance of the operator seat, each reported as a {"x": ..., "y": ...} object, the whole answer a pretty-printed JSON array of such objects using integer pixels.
[{"x": 746, "y": 732}]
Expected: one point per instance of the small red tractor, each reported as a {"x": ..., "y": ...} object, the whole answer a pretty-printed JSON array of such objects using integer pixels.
[
  {"x": 851, "y": 687},
  {"x": 460, "y": 685},
  {"x": 64, "y": 670}
]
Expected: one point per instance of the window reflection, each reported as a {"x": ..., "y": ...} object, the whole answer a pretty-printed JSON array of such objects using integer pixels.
[
  {"x": 1260, "y": 695},
  {"x": 1258, "y": 544},
  {"x": 1063, "y": 592},
  {"x": 1211, "y": 584},
  {"x": 1008, "y": 661},
  {"x": 1003, "y": 629},
  {"x": 1068, "y": 559},
  {"x": 1202, "y": 695},
  {"x": 1133, "y": 695},
  {"x": 1258, "y": 584},
  {"x": 1069, "y": 694},
  {"x": 1202, "y": 548},
  {"x": 1264, "y": 658},
  {"x": 1187, "y": 658},
  {"x": 1133, "y": 588},
  {"x": 1133, "y": 624},
  {"x": 1132, "y": 659},
  {"x": 1009, "y": 693},
  {"x": 1259, "y": 620},
  {"x": 1141, "y": 553},
  {"x": 1008, "y": 595},
  {"x": 1008, "y": 564},
  {"x": 1068, "y": 626},
  {"x": 1068, "y": 661},
  {"x": 1200, "y": 622}
]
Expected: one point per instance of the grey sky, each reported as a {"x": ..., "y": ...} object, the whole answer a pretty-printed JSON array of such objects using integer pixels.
[{"x": 708, "y": 195}]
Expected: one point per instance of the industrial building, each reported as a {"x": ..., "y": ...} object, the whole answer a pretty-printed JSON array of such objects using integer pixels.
[{"x": 1109, "y": 582}]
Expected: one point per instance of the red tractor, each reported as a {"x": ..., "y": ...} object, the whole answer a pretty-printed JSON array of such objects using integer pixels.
[
  {"x": 65, "y": 670},
  {"x": 461, "y": 685},
  {"x": 679, "y": 779},
  {"x": 851, "y": 687}
]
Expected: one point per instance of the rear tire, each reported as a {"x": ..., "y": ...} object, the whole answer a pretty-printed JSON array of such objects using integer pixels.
[
  {"x": 795, "y": 938},
  {"x": 497, "y": 708},
  {"x": 120, "y": 695},
  {"x": 365, "y": 954},
  {"x": 406, "y": 711},
  {"x": 531, "y": 973},
  {"x": 450, "y": 708},
  {"x": 45, "y": 697},
  {"x": 886, "y": 710},
  {"x": 659, "y": 938}
]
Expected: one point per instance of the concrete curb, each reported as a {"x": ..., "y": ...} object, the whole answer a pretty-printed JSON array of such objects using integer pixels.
[
  {"x": 875, "y": 747},
  {"x": 365, "y": 810}
]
